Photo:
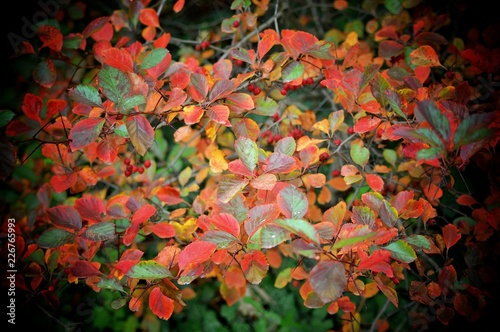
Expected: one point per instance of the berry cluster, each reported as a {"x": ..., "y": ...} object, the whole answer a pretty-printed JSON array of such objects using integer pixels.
[
  {"x": 287, "y": 86},
  {"x": 254, "y": 89},
  {"x": 131, "y": 168},
  {"x": 203, "y": 45}
]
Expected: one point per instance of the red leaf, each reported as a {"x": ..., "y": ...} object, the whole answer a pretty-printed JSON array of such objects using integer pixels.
[
  {"x": 32, "y": 106},
  {"x": 162, "y": 229},
  {"x": 219, "y": 114},
  {"x": 118, "y": 58},
  {"x": 226, "y": 222},
  {"x": 196, "y": 253},
  {"x": 375, "y": 182},
  {"x": 328, "y": 280},
  {"x": 65, "y": 216},
  {"x": 279, "y": 163},
  {"x": 84, "y": 269},
  {"x": 239, "y": 102},
  {"x": 198, "y": 87},
  {"x": 149, "y": 17},
  {"x": 255, "y": 266},
  {"x": 376, "y": 262},
  {"x": 107, "y": 150},
  {"x": 178, "y": 6},
  {"x": 90, "y": 208},
  {"x": 55, "y": 106},
  {"x": 95, "y": 26},
  {"x": 169, "y": 195},
  {"x": 237, "y": 167},
  {"x": 268, "y": 38},
  {"x": 130, "y": 233},
  {"x": 365, "y": 124},
  {"x": 85, "y": 132},
  {"x": 302, "y": 41},
  {"x": 51, "y": 37},
  {"x": 104, "y": 34},
  {"x": 161, "y": 305},
  {"x": 161, "y": 67},
  {"x": 63, "y": 182},
  {"x": 175, "y": 98},
  {"x": 451, "y": 235},
  {"x": 466, "y": 200},
  {"x": 143, "y": 213},
  {"x": 389, "y": 48}
]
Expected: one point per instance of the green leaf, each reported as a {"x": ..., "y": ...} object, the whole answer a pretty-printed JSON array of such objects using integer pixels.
[
  {"x": 265, "y": 106},
  {"x": 427, "y": 110},
  {"x": 100, "y": 232},
  {"x": 149, "y": 269},
  {"x": 472, "y": 129},
  {"x": 292, "y": 71},
  {"x": 55, "y": 237},
  {"x": 269, "y": 236},
  {"x": 418, "y": 241},
  {"x": 110, "y": 283},
  {"x": 221, "y": 238},
  {"x": 131, "y": 102},
  {"x": 86, "y": 95},
  {"x": 352, "y": 240},
  {"x": 359, "y": 154},
  {"x": 368, "y": 74},
  {"x": 390, "y": 156},
  {"x": 114, "y": 83},
  {"x": 292, "y": 202},
  {"x": 428, "y": 136},
  {"x": 5, "y": 117},
  {"x": 394, "y": 100},
  {"x": 154, "y": 57},
  {"x": 121, "y": 130},
  {"x": 402, "y": 251},
  {"x": 299, "y": 227},
  {"x": 429, "y": 154},
  {"x": 248, "y": 151},
  {"x": 380, "y": 86},
  {"x": 394, "y": 6},
  {"x": 286, "y": 145}
]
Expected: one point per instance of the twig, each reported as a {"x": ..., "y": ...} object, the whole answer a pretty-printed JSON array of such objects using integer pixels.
[
  {"x": 379, "y": 314},
  {"x": 253, "y": 33}
]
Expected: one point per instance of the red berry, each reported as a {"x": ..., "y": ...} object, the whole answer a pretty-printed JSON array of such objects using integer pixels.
[
  {"x": 119, "y": 116},
  {"x": 324, "y": 157},
  {"x": 198, "y": 47},
  {"x": 295, "y": 283},
  {"x": 128, "y": 173},
  {"x": 236, "y": 24},
  {"x": 238, "y": 62},
  {"x": 335, "y": 173},
  {"x": 147, "y": 163},
  {"x": 251, "y": 87},
  {"x": 276, "y": 116},
  {"x": 284, "y": 91},
  {"x": 126, "y": 161},
  {"x": 432, "y": 222},
  {"x": 350, "y": 130},
  {"x": 256, "y": 91},
  {"x": 310, "y": 81},
  {"x": 140, "y": 169},
  {"x": 134, "y": 169},
  {"x": 205, "y": 44},
  {"x": 270, "y": 139},
  {"x": 337, "y": 142},
  {"x": 277, "y": 137},
  {"x": 304, "y": 81}
]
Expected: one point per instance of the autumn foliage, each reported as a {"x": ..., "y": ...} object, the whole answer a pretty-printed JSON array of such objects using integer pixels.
[{"x": 365, "y": 157}]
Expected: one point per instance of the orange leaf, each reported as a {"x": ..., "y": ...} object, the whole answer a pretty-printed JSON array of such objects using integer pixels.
[
  {"x": 143, "y": 213},
  {"x": 51, "y": 37},
  {"x": 196, "y": 252},
  {"x": 375, "y": 182},
  {"x": 424, "y": 56},
  {"x": 466, "y": 200},
  {"x": 178, "y": 6},
  {"x": 161, "y": 305},
  {"x": 118, "y": 58},
  {"x": 365, "y": 124},
  {"x": 193, "y": 114},
  {"x": 149, "y": 17},
  {"x": 264, "y": 182},
  {"x": 451, "y": 235}
]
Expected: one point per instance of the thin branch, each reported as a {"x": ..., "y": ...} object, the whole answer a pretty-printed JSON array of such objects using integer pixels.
[{"x": 253, "y": 33}]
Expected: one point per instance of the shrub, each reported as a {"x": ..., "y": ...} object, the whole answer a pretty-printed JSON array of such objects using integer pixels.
[{"x": 352, "y": 163}]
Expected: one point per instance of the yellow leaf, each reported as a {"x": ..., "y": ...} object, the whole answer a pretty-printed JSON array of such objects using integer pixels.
[{"x": 218, "y": 162}]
